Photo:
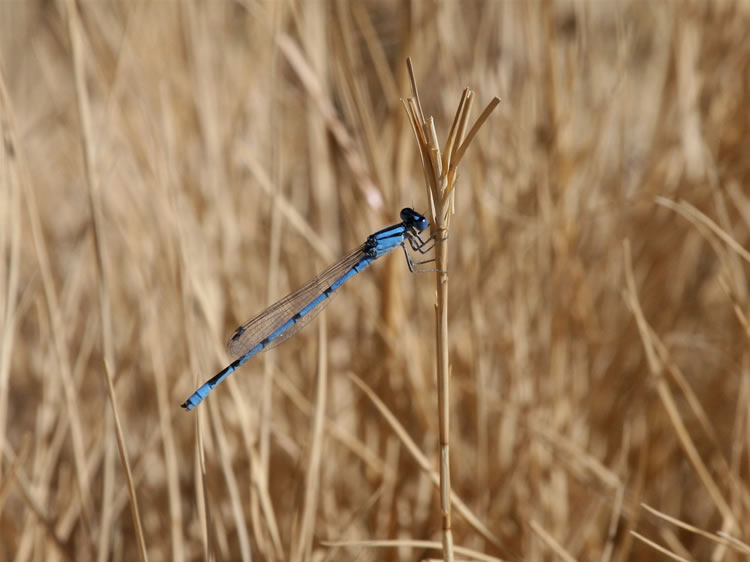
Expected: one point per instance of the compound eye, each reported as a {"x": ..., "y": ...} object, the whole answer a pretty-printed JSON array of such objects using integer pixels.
[
  {"x": 414, "y": 219},
  {"x": 407, "y": 214}
]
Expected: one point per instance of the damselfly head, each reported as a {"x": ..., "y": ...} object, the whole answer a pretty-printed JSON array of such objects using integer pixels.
[{"x": 413, "y": 219}]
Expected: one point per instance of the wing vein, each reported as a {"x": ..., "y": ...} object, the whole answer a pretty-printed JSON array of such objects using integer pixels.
[{"x": 254, "y": 331}]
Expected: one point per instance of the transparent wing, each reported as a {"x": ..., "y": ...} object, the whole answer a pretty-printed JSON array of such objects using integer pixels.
[{"x": 254, "y": 331}]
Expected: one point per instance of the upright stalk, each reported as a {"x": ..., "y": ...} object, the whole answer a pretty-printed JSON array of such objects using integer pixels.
[
  {"x": 440, "y": 170},
  {"x": 443, "y": 377}
]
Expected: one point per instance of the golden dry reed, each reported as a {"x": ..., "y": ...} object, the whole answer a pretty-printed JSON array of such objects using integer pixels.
[{"x": 168, "y": 169}]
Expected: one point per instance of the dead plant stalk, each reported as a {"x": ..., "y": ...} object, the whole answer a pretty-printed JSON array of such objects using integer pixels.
[{"x": 440, "y": 170}]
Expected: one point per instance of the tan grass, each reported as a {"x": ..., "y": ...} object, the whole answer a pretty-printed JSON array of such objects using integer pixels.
[{"x": 167, "y": 169}]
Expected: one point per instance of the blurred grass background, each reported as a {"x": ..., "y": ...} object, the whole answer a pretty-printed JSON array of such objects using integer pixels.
[{"x": 598, "y": 282}]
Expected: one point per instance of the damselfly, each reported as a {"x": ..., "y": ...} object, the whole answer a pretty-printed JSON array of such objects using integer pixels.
[{"x": 282, "y": 320}]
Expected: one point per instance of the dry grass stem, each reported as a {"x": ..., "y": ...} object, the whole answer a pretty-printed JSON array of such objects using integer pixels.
[
  {"x": 716, "y": 537},
  {"x": 411, "y": 544},
  {"x": 668, "y": 398},
  {"x": 98, "y": 221},
  {"x": 551, "y": 543},
  {"x": 304, "y": 547},
  {"x": 440, "y": 169},
  {"x": 423, "y": 461},
  {"x": 659, "y": 548}
]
